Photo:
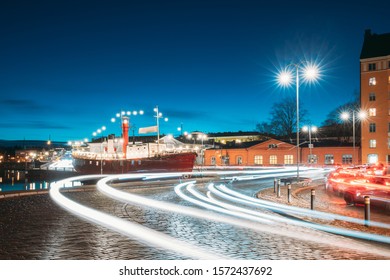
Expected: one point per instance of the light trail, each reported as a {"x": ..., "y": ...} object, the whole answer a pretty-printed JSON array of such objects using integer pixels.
[
  {"x": 331, "y": 240},
  {"x": 237, "y": 222},
  {"x": 133, "y": 230},
  {"x": 335, "y": 230},
  {"x": 237, "y": 211},
  {"x": 263, "y": 225},
  {"x": 292, "y": 209}
]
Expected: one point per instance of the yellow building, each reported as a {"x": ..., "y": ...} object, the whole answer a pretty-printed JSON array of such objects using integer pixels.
[{"x": 375, "y": 97}]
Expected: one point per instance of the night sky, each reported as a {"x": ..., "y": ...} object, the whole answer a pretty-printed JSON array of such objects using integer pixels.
[{"x": 67, "y": 67}]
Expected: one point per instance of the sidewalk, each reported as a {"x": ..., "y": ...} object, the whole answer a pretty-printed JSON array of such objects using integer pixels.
[{"x": 324, "y": 202}]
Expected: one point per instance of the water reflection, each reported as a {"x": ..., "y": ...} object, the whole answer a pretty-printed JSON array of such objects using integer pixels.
[{"x": 16, "y": 180}]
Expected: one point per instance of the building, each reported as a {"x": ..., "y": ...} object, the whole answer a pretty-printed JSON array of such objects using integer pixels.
[
  {"x": 375, "y": 97},
  {"x": 274, "y": 152}
]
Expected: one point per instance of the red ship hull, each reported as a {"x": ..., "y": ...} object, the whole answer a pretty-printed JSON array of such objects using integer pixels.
[{"x": 180, "y": 162}]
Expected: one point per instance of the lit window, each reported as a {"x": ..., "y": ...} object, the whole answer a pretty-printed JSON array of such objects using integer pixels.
[
  {"x": 388, "y": 79},
  {"x": 329, "y": 159},
  {"x": 372, "y": 127},
  {"x": 347, "y": 159},
  {"x": 258, "y": 159},
  {"x": 273, "y": 159},
  {"x": 372, "y": 143},
  {"x": 288, "y": 159},
  {"x": 371, "y": 97},
  {"x": 372, "y": 81},
  {"x": 371, "y": 66},
  {"x": 372, "y": 112}
]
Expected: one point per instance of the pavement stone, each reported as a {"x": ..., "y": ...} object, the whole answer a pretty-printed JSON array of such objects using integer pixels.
[{"x": 34, "y": 227}]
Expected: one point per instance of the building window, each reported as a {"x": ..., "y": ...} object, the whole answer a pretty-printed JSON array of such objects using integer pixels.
[
  {"x": 288, "y": 159},
  {"x": 258, "y": 160},
  {"x": 272, "y": 146},
  {"x": 346, "y": 159},
  {"x": 329, "y": 159},
  {"x": 387, "y": 159},
  {"x": 371, "y": 66},
  {"x": 372, "y": 112},
  {"x": 312, "y": 159},
  {"x": 273, "y": 159},
  {"x": 388, "y": 79},
  {"x": 372, "y": 127},
  {"x": 372, "y": 158},
  {"x": 213, "y": 161},
  {"x": 371, "y": 97},
  {"x": 388, "y": 143},
  {"x": 372, "y": 143},
  {"x": 372, "y": 81},
  {"x": 239, "y": 160}
]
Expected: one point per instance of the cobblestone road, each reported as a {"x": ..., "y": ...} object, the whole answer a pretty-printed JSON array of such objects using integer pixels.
[{"x": 33, "y": 227}]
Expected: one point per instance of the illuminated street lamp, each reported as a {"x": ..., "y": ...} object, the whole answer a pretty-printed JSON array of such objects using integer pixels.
[
  {"x": 345, "y": 116},
  {"x": 310, "y": 73},
  {"x": 310, "y": 129}
]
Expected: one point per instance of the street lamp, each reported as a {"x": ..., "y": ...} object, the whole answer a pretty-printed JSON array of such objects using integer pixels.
[
  {"x": 310, "y": 73},
  {"x": 158, "y": 116},
  {"x": 310, "y": 129},
  {"x": 345, "y": 116}
]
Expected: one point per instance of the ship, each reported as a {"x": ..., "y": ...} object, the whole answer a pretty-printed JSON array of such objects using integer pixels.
[{"x": 118, "y": 156}]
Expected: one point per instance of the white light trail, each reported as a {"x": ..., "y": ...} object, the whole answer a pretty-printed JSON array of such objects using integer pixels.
[
  {"x": 329, "y": 240},
  {"x": 147, "y": 236},
  {"x": 244, "y": 222},
  {"x": 351, "y": 233},
  {"x": 295, "y": 210}
]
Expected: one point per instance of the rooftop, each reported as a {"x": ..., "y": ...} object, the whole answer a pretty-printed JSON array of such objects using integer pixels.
[{"x": 375, "y": 45}]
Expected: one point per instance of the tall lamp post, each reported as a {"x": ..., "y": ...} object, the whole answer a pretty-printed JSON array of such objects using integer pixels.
[
  {"x": 345, "y": 116},
  {"x": 310, "y": 73}
]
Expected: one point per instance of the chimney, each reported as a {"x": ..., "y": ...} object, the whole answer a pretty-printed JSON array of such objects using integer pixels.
[{"x": 125, "y": 135}]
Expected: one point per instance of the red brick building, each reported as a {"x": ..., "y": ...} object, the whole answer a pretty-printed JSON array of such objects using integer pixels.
[
  {"x": 276, "y": 152},
  {"x": 375, "y": 97}
]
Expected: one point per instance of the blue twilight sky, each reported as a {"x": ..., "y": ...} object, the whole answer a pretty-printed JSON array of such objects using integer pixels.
[{"x": 67, "y": 67}]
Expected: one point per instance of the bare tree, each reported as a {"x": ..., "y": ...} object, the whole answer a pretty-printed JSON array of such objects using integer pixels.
[
  {"x": 335, "y": 126},
  {"x": 283, "y": 120}
]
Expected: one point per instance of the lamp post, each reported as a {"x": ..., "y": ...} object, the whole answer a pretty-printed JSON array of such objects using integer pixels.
[
  {"x": 310, "y": 129},
  {"x": 345, "y": 116},
  {"x": 158, "y": 116},
  {"x": 310, "y": 73}
]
